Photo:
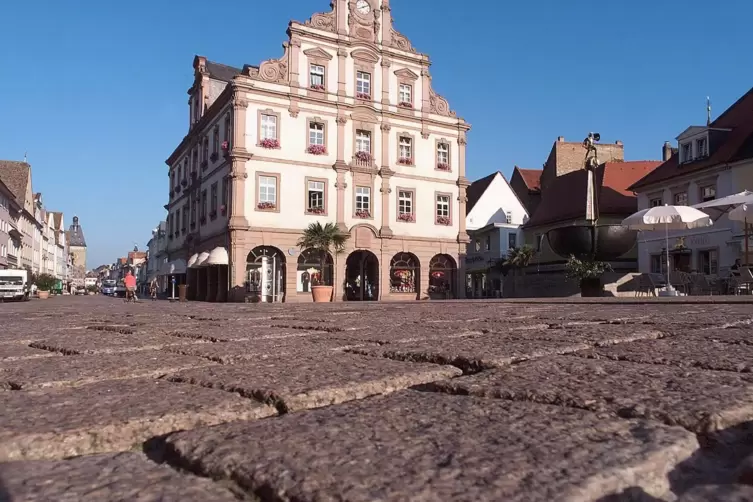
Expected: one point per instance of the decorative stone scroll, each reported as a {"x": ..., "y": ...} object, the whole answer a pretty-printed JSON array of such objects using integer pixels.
[
  {"x": 400, "y": 41},
  {"x": 275, "y": 70},
  {"x": 439, "y": 105},
  {"x": 322, "y": 21}
]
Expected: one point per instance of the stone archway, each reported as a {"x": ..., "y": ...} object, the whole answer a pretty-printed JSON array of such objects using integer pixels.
[
  {"x": 405, "y": 274},
  {"x": 362, "y": 276},
  {"x": 265, "y": 274},
  {"x": 443, "y": 272}
]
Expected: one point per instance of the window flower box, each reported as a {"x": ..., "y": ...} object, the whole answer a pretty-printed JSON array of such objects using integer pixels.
[
  {"x": 405, "y": 104},
  {"x": 443, "y": 167},
  {"x": 225, "y": 148},
  {"x": 223, "y": 209},
  {"x": 364, "y": 96},
  {"x": 407, "y": 217},
  {"x": 204, "y": 164},
  {"x": 317, "y": 149},
  {"x": 363, "y": 213},
  {"x": 177, "y": 189},
  {"x": 317, "y": 87},
  {"x": 363, "y": 156},
  {"x": 269, "y": 143},
  {"x": 406, "y": 161},
  {"x": 315, "y": 210},
  {"x": 443, "y": 220},
  {"x": 214, "y": 156},
  {"x": 183, "y": 182},
  {"x": 266, "y": 206}
]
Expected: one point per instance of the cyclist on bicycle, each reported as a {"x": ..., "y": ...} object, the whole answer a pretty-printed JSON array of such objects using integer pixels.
[{"x": 130, "y": 285}]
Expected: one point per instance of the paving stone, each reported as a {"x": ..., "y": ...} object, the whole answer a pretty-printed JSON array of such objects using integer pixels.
[
  {"x": 16, "y": 351},
  {"x": 233, "y": 333},
  {"x": 473, "y": 353},
  {"x": 734, "y": 335},
  {"x": 313, "y": 380},
  {"x": 680, "y": 351},
  {"x": 106, "y": 342},
  {"x": 79, "y": 370},
  {"x": 718, "y": 493},
  {"x": 119, "y": 476},
  {"x": 700, "y": 401},
  {"x": 418, "y": 446},
  {"x": 110, "y": 416}
]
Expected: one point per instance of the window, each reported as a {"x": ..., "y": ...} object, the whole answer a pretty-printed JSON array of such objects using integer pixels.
[
  {"x": 363, "y": 202},
  {"x": 708, "y": 262},
  {"x": 317, "y": 77},
  {"x": 363, "y": 85},
  {"x": 268, "y": 126},
  {"x": 681, "y": 199},
  {"x": 203, "y": 209},
  {"x": 405, "y": 93},
  {"x": 310, "y": 272},
  {"x": 442, "y": 209},
  {"x": 508, "y": 217},
  {"x": 687, "y": 152},
  {"x": 404, "y": 273},
  {"x": 406, "y": 150},
  {"x": 512, "y": 241},
  {"x": 708, "y": 193},
  {"x": 655, "y": 202},
  {"x": 443, "y": 156},
  {"x": 315, "y": 196},
  {"x": 488, "y": 243},
  {"x": 700, "y": 148},
  {"x": 227, "y": 128},
  {"x": 193, "y": 214},
  {"x": 539, "y": 238},
  {"x": 216, "y": 140},
  {"x": 405, "y": 205},
  {"x": 224, "y": 192},
  {"x": 184, "y": 226},
  {"x": 267, "y": 192},
  {"x": 658, "y": 262},
  {"x": 205, "y": 150},
  {"x": 363, "y": 141},
  {"x": 316, "y": 135},
  {"x": 213, "y": 199}
]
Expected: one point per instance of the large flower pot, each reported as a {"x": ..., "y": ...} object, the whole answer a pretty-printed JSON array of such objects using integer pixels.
[
  {"x": 43, "y": 295},
  {"x": 321, "y": 294},
  {"x": 591, "y": 288}
]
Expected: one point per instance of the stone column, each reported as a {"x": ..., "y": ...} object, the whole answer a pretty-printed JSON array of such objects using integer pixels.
[
  {"x": 341, "y": 121},
  {"x": 238, "y": 158},
  {"x": 386, "y": 173},
  {"x": 295, "y": 51},
  {"x": 463, "y": 185},
  {"x": 338, "y": 279},
  {"x": 237, "y": 268},
  {"x": 341, "y": 21},
  {"x": 386, "y": 81},
  {"x": 341, "y": 185},
  {"x": 342, "y": 55},
  {"x": 425, "y": 101},
  {"x": 386, "y": 23}
]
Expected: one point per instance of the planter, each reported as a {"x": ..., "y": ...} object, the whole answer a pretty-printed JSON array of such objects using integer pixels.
[
  {"x": 43, "y": 295},
  {"x": 321, "y": 294},
  {"x": 591, "y": 288}
]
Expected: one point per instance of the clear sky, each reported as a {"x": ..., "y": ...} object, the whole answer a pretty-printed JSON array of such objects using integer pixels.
[{"x": 95, "y": 90}]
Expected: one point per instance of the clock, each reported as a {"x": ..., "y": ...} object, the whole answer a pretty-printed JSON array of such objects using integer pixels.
[{"x": 363, "y": 7}]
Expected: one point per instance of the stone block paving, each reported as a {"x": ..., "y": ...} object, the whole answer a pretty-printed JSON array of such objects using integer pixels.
[{"x": 431, "y": 401}]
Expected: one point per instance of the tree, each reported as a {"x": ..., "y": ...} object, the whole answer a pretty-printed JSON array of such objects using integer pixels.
[
  {"x": 518, "y": 259},
  {"x": 325, "y": 239}
]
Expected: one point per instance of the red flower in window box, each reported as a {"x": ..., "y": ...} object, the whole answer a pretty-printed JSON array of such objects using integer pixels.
[
  {"x": 406, "y": 161},
  {"x": 223, "y": 209},
  {"x": 363, "y": 213},
  {"x": 443, "y": 220},
  {"x": 317, "y": 87},
  {"x": 405, "y": 104},
  {"x": 363, "y": 95},
  {"x": 225, "y": 148},
  {"x": 363, "y": 156},
  {"x": 317, "y": 149},
  {"x": 269, "y": 143},
  {"x": 443, "y": 167},
  {"x": 266, "y": 206},
  {"x": 315, "y": 210},
  {"x": 408, "y": 217}
]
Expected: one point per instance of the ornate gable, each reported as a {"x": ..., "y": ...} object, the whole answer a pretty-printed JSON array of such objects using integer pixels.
[
  {"x": 406, "y": 74},
  {"x": 275, "y": 70},
  {"x": 324, "y": 21},
  {"x": 365, "y": 55},
  {"x": 317, "y": 53}
]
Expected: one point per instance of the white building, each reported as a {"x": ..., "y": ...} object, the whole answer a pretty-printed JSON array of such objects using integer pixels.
[
  {"x": 494, "y": 216},
  {"x": 157, "y": 255},
  {"x": 710, "y": 162},
  {"x": 345, "y": 127}
]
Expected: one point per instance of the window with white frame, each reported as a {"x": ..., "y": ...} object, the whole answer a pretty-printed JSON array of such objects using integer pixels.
[
  {"x": 700, "y": 147},
  {"x": 708, "y": 193},
  {"x": 363, "y": 84},
  {"x": 268, "y": 126},
  {"x": 363, "y": 199},
  {"x": 268, "y": 190},
  {"x": 443, "y": 206},
  {"x": 404, "y": 202},
  {"x": 687, "y": 152},
  {"x": 406, "y": 149},
  {"x": 655, "y": 202},
  {"x": 406, "y": 93},
  {"x": 681, "y": 199},
  {"x": 508, "y": 217},
  {"x": 316, "y": 134},
  {"x": 315, "y": 196},
  {"x": 363, "y": 141},
  {"x": 512, "y": 241},
  {"x": 317, "y": 76},
  {"x": 443, "y": 154}
]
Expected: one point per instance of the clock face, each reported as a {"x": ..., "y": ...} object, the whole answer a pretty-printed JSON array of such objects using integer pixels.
[{"x": 363, "y": 7}]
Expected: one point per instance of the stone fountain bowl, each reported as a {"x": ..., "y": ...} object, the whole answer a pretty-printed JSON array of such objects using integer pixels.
[{"x": 600, "y": 242}]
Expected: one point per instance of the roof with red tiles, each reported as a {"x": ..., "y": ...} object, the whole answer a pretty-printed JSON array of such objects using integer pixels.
[
  {"x": 565, "y": 197},
  {"x": 737, "y": 145},
  {"x": 531, "y": 177}
]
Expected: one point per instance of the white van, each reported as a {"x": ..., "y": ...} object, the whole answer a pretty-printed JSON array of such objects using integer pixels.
[{"x": 14, "y": 285}]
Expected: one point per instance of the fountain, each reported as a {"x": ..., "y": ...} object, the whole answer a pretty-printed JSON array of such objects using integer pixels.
[{"x": 591, "y": 241}]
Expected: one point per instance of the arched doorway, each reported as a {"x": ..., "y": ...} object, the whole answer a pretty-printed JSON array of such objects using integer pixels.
[
  {"x": 362, "y": 276},
  {"x": 310, "y": 271},
  {"x": 405, "y": 274},
  {"x": 442, "y": 277},
  {"x": 265, "y": 274}
]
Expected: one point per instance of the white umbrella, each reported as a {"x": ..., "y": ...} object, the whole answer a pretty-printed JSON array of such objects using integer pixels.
[
  {"x": 718, "y": 207},
  {"x": 667, "y": 217},
  {"x": 742, "y": 213}
]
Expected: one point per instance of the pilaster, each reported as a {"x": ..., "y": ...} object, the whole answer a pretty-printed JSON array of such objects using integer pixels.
[
  {"x": 295, "y": 51},
  {"x": 386, "y": 23},
  {"x": 425, "y": 100},
  {"x": 342, "y": 55},
  {"x": 341, "y": 20},
  {"x": 340, "y": 186},
  {"x": 238, "y": 158},
  {"x": 463, "y": 185},
  {"x": 386, "y": 81}
]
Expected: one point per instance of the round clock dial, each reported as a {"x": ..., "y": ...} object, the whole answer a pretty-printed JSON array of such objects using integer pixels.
[{"x": 363, "y": 7}]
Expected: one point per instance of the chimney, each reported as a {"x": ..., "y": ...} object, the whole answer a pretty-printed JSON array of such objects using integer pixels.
[
  {"x": 560, "y": 139},
  {"x": 666, "y": 151},
  {"x": 618, "y": 143}
]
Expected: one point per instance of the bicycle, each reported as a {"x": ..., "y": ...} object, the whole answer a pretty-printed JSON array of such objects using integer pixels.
[{"x": 130, "y": 296}]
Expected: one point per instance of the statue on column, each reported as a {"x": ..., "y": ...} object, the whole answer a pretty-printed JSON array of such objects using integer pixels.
[{"x": 590, "y": 163}]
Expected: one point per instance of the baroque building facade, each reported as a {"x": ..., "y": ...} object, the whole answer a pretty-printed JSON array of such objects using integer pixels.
[{"x": 346, "y": 128}]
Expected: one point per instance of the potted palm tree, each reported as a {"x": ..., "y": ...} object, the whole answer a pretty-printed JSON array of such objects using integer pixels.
[
  {"x": 326, "y": 240},
  {"x": 45, "y": 282},
  {"x": 517, "y": 260},
  {"x": 588, "y": 274}
]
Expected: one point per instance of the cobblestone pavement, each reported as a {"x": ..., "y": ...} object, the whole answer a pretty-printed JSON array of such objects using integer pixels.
[{"x": 430, "y": 401}]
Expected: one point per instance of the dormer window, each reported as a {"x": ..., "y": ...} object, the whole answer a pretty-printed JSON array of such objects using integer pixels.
[
  {"x": 686, "y": 151},
  {"x": 701, "y": 149}
]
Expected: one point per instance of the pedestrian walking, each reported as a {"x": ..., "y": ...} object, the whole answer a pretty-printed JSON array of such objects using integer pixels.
[
  {"x": 130, "y": 285},
  {"x": 153, "y": 288}
]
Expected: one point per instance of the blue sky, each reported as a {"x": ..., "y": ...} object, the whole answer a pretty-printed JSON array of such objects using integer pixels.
[{"x": 95, "y": 90}]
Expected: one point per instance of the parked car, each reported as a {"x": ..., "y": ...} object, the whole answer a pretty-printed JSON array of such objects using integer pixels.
[
  {"x": 80, "y": 290},
  {"x": 109, "y": 286}
]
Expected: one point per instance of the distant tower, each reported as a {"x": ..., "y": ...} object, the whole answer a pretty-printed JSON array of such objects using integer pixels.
[{"x": 77, "y": 250}]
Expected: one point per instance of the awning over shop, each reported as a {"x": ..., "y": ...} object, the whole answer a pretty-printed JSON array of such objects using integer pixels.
[
  {"x": 201, "y": 260},
  {"x": 192, "y": 260},
  {"x": 218, "y": 256}
]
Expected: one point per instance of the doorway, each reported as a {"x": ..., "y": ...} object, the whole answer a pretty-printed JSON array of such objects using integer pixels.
[
  {"x": 265, "y": 274},
  {"x": 362, "y": 276}
]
